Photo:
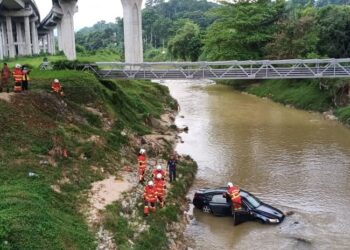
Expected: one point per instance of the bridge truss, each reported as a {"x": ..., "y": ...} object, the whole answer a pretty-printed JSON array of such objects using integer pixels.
[{"x": 240, "y": 70}]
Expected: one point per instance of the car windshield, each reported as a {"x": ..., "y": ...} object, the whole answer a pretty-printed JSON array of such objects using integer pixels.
[{"x": 253, "y": 201}]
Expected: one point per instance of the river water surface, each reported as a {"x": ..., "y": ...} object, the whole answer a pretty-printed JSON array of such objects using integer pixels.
[{"x": 291, "y": 159}]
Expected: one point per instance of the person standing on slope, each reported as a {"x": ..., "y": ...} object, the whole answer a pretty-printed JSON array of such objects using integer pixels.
[{"x": 142, "y": 164}]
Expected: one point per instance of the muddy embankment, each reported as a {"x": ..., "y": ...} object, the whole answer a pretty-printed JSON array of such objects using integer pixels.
[{"x": 116, "y": 205}]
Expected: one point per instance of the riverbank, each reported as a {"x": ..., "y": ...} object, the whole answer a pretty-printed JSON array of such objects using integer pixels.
[
  {"x": 124, "y": 220},
  {"x": 329, "y": 97},
  {"x": 61, "y": 157}
]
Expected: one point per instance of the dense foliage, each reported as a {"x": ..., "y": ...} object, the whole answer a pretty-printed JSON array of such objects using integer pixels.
[
  {"x": 162, "y": 20},
  {"x": 101, "y": 36},
  {"x": 242, "y": 30},
  {"x": 159, "y": 18},
  {"x": 277, "y": 30},
  {"x": 232, "y": 30},
  {"x": 186, "y": 44}
]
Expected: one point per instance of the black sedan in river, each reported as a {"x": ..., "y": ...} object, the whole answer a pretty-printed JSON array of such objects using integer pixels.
[{"x": 213, "y": 201}]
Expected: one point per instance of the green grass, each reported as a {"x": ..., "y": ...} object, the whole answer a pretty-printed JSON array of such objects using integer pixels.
[
  {"x": 303, "y": 94},
  {"x": 119, "y": 226},
  {"x": 35, "y": 61},
  {"x": 32, "y": 215},
  {"x": 343, "y": 114}
]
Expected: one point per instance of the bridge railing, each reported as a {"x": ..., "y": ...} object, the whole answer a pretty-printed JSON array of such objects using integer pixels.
[{"x": 262, "y": 69}]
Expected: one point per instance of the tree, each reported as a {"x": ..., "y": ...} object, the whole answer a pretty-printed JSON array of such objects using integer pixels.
[
  {"x": 186, "y": 44},
  {"x": 151, "y": 3},
  {"x": 101, "y": 35},
  {"x": 322, "y": 3},
  {"x": 296, "y": 37},
  {"x": 242, "y": 30},
  {"x": 334, "y": 24},
  {"x": 159, "y": 18}
]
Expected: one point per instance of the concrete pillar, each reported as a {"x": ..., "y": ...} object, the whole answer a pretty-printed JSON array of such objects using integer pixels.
[
  {"x": 53, "y": 42},
  {"x": 40, "y": 44},
  {"x": 28, "y": 44},
  {"x": 67, "y": 28},
  {"x": 44, "y": 43},
  {"x": 10, "y": 40},
  {"x": 19, "y": 38},
  {"x": 4, "y": 38},
  {"x": 59, "y": 36},
  {"x": 132, "y": 31},
  {"x": 35, "y": 38},
  {"x": 1, "y": 44},
  {"x": 49, "y": 43}
]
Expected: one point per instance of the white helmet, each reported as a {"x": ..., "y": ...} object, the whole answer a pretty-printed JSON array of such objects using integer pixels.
[
  {"x": 159, "y": 167},
  {"x": 56, "y": 81},
  {"x": 142, "y": 151},
  {"x": 18, "y": 66},
  {"x": 159, "y": 176},
  {"x": 230, "y": 184},
  {"x": 150, "y": 183}
]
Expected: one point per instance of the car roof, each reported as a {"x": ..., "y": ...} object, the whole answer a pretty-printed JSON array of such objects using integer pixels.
[{"x": 220, "y": 190}]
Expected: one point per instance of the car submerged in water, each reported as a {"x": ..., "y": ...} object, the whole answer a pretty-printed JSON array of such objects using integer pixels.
[{"x": 213, "y": 201}]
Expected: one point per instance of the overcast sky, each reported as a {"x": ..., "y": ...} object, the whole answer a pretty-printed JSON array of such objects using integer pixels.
[{"x": 90, "y": 11}]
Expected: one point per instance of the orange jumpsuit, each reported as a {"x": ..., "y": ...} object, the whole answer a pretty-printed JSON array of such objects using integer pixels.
[
  {"x": 57, "y": 88},
  {"x": 150, "y": 197},
  {"x": 142, "y": 166},
  {"x": 160, "y": 187},
  {"x": 18, "y": 76},
  {"x": 235, "y": 196},
  {"x": 156, "y": 171}
]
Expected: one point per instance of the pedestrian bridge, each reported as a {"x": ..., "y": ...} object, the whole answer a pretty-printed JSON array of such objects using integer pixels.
[{"x": 240, "y": 70}]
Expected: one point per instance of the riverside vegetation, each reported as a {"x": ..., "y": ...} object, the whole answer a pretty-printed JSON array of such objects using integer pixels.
[
  {"x": 246, "y": 30},
  {"x": 43, "y": 194},
  {"x": 329, "y": 96}
]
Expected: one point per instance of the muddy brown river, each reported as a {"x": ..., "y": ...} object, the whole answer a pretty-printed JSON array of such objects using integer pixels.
[{"x": 294, "y": 160}]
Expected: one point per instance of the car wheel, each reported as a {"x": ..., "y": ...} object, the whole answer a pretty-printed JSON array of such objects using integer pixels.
[{"x": 206, "y": 209}]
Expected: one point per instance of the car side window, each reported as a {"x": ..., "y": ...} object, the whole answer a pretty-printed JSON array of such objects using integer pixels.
[{"x": 219, "y": 199}]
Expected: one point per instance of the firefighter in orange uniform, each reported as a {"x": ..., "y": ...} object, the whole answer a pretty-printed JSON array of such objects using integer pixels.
[
  {"x": 234, "y": 194},
  {"x": 142, "y": 161},
  {"x": 159, "y": 170},
  {"x": 159, "y": 183},
  {"x": 17, "y": 76},
  {"x": 150, "y": 197},
  {"x": 57, "y": 87}
]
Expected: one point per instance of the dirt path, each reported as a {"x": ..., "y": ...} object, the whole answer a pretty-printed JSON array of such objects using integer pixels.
[
  {"x": 6, "y": 96},
  {"x": 104, "y": 193}
]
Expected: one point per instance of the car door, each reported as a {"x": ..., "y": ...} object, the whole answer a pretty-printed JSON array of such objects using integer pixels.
[
  {"x": 242, "y": 215},
  {"x": 219, "y": 205}
]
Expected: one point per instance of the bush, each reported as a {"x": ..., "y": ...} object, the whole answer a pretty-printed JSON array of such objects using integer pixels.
[
  {"x": 68, "y": 65},
  {"x": 343, "y": 114},
  {"x": 304, "y": 94}
]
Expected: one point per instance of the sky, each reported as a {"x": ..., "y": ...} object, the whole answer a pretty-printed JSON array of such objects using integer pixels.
[{"x": 90, "y": 11}]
